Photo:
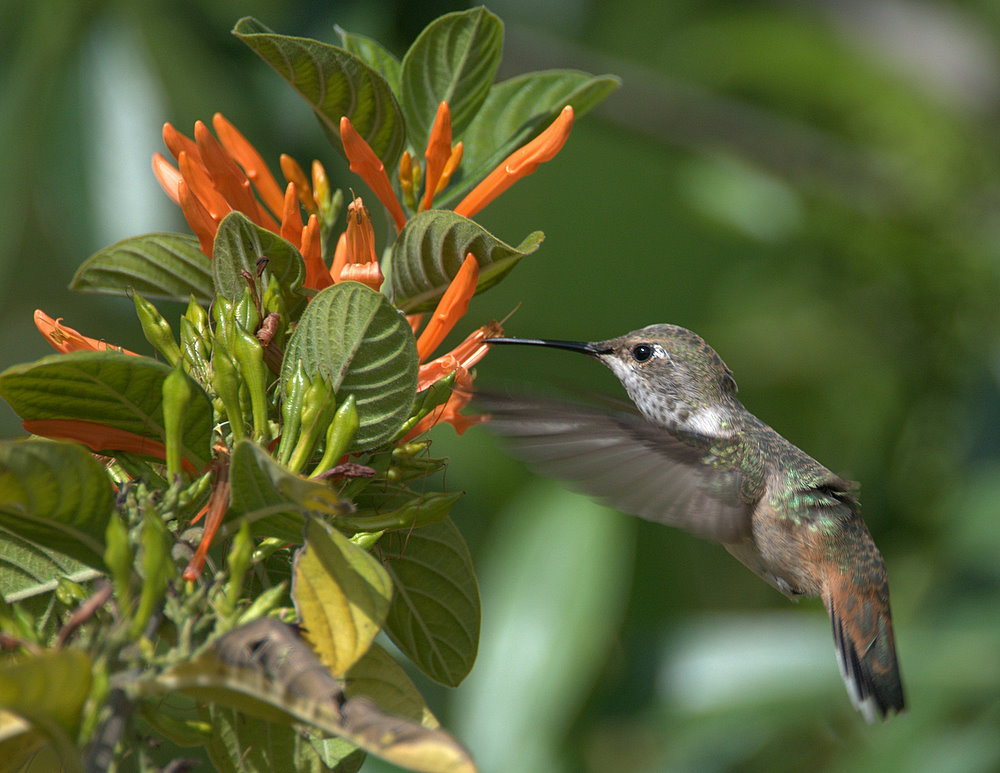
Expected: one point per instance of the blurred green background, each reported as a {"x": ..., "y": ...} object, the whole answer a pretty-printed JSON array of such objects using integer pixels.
[{"x": 811, "y": 186}]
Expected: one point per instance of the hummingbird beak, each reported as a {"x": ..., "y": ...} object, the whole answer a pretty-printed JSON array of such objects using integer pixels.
[{"x": 594, "y": 350}]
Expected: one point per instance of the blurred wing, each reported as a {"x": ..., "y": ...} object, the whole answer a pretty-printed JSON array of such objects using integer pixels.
[{"x": 624, "y": 460}]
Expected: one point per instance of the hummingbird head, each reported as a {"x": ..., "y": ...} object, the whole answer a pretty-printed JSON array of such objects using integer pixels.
[{"x": 675, "y": 379}]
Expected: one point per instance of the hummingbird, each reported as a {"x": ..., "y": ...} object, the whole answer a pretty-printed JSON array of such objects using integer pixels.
[{"x": 693, "y": 457}]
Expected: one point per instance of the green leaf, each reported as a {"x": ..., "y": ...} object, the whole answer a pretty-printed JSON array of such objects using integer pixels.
[
  {"x": 27, "y": 569},
  {"x": 341, "y": 595},
  {"x": 110, "y": 388},
  {"x": 372, "y": 53},
  {"x": 159, "y": 265},
  {"x": 517, "y": 110},
  {"x": 264, "y": 669},
  {"x": 239, "y": 244},
  {"x": 56, "y": 495},
  {"x": 48, "y": 690},
  {"x": 379, "y": 677},
  {"x": 434, "y": 616},
  {"x": 335, "y": 83},
  {"x": 353, "y": 337},
  {"x": 273, "y": 499},
  {"x": 430, "y": 250},
  {"x": 454, "y": 59},
  {"x": 240, "y": 743}
]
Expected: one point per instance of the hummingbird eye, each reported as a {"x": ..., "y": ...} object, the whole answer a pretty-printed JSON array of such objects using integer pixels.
[{"x": 642, "y": 352}]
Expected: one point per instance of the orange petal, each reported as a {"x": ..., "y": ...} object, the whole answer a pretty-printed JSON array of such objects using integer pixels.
[
  {"x": 167, "y": 175},
  {"x": 321, "y": 183},
  {"x": 449, "y": 168},
  {"x": 518, "y": 164},
  {"x": 450, "y": 411},
  {"x": 339, "y": 258},
  {"x": 294, "y": 174},
  {"x": 367, "y": 273},
  {"x": 317, "y": 274},
  {"x": 437, "y": 154},
  {"x": 229, "y": 179},
  {"x": 414, "y": 321},
  {"x": 65, "y": 339},
  {"x": 474, "y": 347},
  {"x": 218, "y": 503},
  {"x": 177, "y": 143},
  {"x": 360, "y": 234},
  {"x": 465, "y": 355},
  {"x": 450, "y": 308},
  {"x": 246, "y": 156},
  {"x": 367, "y": 165},
  {"x": 198, "y": 218},
  {"x": 406, "y": 174},
  {"x": 100, "y": 438},
  {"x": 200, "y": 184},
  {"x": 291, "y": 217}
]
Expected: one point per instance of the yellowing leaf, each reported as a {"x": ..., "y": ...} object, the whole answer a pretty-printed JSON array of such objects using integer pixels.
[{"x": 342, "y": 596}]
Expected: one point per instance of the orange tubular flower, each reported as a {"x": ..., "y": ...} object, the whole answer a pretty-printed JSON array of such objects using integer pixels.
[
  {"x": 317, "y": 274},
  {"x": 437, "y": 154},
  {"x": 294, "y": 174},
  {"x": 216, "y": 508},
  {"x": 291, "y": 217},
  {"x": 65, "y": 339},
  {"x": 459, "y": 360},
  {"x": 450, "y": 308},
  {"x": 246, "y": 156},
  {"x": 360, "y": 261},
  {"x": 100, "y": 438},
  {"x": 518, "y": 164},
  {"x": 367, "y": 165},
  {"x": 214, "y": 177}
]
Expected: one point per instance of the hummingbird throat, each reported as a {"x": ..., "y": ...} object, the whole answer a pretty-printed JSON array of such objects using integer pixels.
[{"x": 669, "y": 410}]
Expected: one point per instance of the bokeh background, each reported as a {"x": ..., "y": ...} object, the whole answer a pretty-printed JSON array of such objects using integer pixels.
[{"x": 812, "y": 186}]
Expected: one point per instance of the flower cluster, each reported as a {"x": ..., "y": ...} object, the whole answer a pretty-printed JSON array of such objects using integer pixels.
[{"x": 215, "y": 176}]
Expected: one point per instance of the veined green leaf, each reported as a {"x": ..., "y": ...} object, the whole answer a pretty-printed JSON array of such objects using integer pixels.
[
  {"x": 239, "y": 244},
  {"x": 437, "y": 629},
  {"x": 430, "y": 250},
  {"x": 240, "y": 743},
  {"x": 455, "y": 60},
  {"x": 341, "y": 594},
  {"x": 335, "y": 83},
  {"x": 374, "y": 54},
  {"x": 266, "y": 670},
  {"x": 379, "y": 677},
  {"x": 515, "y": 111},
  {"x": 48, "y": 690},
  {"x": 57, "y": 496},
  {"x": 158, "y": 265},
  {"x": 111, "y": 388},
  {"x": 354, "y": 338}
]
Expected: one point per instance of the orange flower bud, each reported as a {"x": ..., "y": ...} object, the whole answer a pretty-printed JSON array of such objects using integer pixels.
[
  {"x": 167, "y": 175},
  {"x": 317, "y": 275},
  {"x": 246, "y": 155},
  {"x": 294, "y": 174},
  {"x": 291, "y": 217},
  {"x": 66, "y": 339},
  {"x": 518, "y": 164},
  {"x": 367, "y": 165},
  {"x": 450, "y": 308},
  {"x": 437, "y": 154}
]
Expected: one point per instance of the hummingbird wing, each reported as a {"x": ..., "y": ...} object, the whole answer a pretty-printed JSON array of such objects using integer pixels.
[{"x": 621, "y": 458}]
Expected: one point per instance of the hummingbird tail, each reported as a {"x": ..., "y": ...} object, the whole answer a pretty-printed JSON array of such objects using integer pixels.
[{"x": 862, "y": 633}]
